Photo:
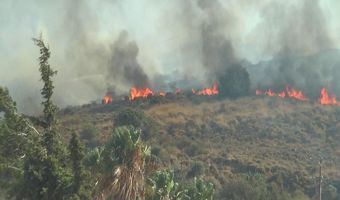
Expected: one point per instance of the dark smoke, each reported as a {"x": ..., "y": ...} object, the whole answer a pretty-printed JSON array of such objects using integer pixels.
[
  {"x": 218, "y": 54},
  {"x": 123, "y": 65},
  {"x": 303, "y": 57},
  {"x": 102, "y": 66},
  {"x": 169, "y": 44}
]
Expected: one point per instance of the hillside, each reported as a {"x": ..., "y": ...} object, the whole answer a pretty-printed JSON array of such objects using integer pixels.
[{"x": 276, "y": 137}]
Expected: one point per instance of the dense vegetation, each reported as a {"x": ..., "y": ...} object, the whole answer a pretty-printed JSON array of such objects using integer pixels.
[
  {"x": 244, "y": 149},
  {"x": 35, "y": 164}
]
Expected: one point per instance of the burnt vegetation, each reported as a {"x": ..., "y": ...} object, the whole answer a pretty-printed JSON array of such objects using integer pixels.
[{"x": 178, "y": 147}]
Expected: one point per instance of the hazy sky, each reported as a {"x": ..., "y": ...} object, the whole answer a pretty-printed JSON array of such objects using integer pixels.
[{"x": 164, "y": 31}]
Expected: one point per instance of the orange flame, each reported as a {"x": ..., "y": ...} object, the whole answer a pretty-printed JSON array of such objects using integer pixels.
[
  {"x": 136, "y": 93},
  {"x": 295, "y": 94},
  {"x": 107, "y": 99},
  {"x": 270, "y": 93},
  {"x": 281, "y": 94},
  {"x": 326, "y": 99},
  {"x": 258, "y": 92},
  {"x": 162, "y": 94},
  {"x": 289, "y": 92},
  {"x": 207, "y": 91},
  {"x": 178, "y": 91}
]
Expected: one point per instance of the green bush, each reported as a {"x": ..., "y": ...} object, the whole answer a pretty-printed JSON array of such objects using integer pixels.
[
  {"x": 256, "y": 187},
  {"x": 130, "y": 117},
  {"x": 197, "y": 169},
  {"x": 193, "y": 150},
  {"x": 155, "y": 151},
  {"x": 137, "y": 119},
  {"x": 200, "y": 190},
  {"x": 244, "y": 188},
  {"x": 330, "y": 192},
  {"x": 90, "y": 136}
]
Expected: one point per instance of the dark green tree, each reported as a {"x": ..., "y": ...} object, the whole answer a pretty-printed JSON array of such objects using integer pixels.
[
  {"x": 50, "y": 110},
  {"x": 234, "y": 82},
  {"x": 16, "y": 136},
  {"x": 80, "y": 188},
  {"x": 46, "y": 175}
]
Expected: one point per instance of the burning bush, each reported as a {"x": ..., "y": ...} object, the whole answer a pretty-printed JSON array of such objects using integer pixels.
[{"x": 234, "y": 82}]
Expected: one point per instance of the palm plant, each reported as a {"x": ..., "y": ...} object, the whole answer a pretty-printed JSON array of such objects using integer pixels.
[
  {"x": 164, "y": 187},
  {"x": 124, "y": 160},
  {"x": 201, "y": 190}
]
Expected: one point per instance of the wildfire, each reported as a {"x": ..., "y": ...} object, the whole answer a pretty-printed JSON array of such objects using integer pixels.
[
  {"x": 137, "y": 92},
  {"x": 107, "y": 99},
  {"x": 289, "y": 92},
  {"x": 295, "y": 94},
  {"x": 271, "y": 93},
  {"x": 326, "y": 99},
  {"x": 178, "y": 91},
  {"x": 258, "y": 92},
  {"x": 207, "y": 91}
]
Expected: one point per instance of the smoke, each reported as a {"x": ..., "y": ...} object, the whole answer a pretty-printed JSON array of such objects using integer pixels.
[
  {"x": 123, "y": 65},
  {"x": 109, "y": 46},
  {"x": 302, "y": 46}
]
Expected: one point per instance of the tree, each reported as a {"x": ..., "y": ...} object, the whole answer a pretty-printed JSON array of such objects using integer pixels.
[
  {"x": 45, "y": 172},
  {"x": 17, "y": 136},
  {"x": 234, "y": 82},
  {"x": 80, "y": 189},
  {"x": 50, "y": 109},
  {"x": 124, "y": 155}
]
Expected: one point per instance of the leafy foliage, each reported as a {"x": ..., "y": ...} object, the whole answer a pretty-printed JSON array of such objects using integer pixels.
[
  {"x": 89, "y": 135},
  {"x": 17, "y": 136},
  {"x": 80, "y": 187},
  {"x": 130, "y": 117},
  {"x": 137, "y": 119},
  {"x": 163, "y": 186},
  {"x": 201, "y": 190},
  {"x": 125, "y": 155}
]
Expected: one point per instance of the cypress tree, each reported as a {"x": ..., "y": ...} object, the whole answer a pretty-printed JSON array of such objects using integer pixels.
[
  {"x": 45, "y": 172},
  {"x": 76, "y": 149}
]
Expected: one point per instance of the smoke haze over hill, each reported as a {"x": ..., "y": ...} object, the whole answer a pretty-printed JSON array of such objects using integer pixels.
[{"x": 113, "y": 45}]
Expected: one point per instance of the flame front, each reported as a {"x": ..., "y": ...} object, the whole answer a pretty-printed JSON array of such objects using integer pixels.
[
  {"x": 326, "y": 99},
  {"x": 295, "y": 94},
  {"x": 289, "y": 92},
  {"x": 143, "y": 93},
  {"x": 107, "y": 99},
  {"x": 207, "y": 91}
]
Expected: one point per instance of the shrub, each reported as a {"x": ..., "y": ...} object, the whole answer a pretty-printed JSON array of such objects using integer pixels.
[
  {"x": 193, "y": 150},
  {"x": 247, "y": 187},
  {"x": 155, "y": 151},
  {"x": 197, "y": 169},
  {"x": 130, "y": 117},
  {"x": 201, "y": 190},
  {"x": 90, "y": 135},
  {"x": 137, "y": 119}
]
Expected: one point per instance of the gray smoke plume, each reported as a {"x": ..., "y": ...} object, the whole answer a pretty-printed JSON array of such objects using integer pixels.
[
  {"x": 303, "y": 42},
  {"x": 217, "y": 49},
  {"x": 167, "y": 44},
  {"x": 123, "y": 65}
]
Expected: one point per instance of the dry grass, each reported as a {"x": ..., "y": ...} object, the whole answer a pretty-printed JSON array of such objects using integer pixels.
[{"x": 250, "y": 134}]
